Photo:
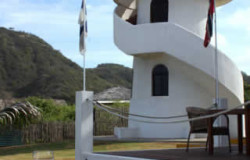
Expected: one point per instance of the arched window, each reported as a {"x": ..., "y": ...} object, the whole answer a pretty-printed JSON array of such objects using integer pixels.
[
  {"x": 160, "y": 81},
  {"x": 159, "y": 11}
]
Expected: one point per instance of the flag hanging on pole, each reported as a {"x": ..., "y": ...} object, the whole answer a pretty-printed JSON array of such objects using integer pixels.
[
  {"x": 209, "y": 25},
  {"x": 83, "y": 27}
]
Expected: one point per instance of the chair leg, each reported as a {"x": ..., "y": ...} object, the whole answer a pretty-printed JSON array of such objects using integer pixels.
[
  {"x": 188, "y": 141},
  {"x": 229, "y": 142},
  {"x": 206, "y": 144}
]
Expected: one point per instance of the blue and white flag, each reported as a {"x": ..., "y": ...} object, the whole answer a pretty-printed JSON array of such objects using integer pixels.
[{"x": 83, "y": 27}]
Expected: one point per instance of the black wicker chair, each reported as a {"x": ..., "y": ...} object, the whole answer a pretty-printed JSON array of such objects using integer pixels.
[{"x": 201, "y": 126}]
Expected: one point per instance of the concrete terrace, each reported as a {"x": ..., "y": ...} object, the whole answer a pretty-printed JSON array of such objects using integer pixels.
[{"x": 181, "y": 154}]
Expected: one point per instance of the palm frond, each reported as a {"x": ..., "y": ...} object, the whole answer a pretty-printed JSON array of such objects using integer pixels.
[
  {"x": 19, "y": 110},
  {"x": 7, "y": 117}
]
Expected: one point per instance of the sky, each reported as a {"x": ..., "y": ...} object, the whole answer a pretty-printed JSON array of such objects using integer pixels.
[{"x": 56, "y": 21}]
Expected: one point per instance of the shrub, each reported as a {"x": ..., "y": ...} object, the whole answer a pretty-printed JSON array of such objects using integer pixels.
[{"x": 52, "y": 112}]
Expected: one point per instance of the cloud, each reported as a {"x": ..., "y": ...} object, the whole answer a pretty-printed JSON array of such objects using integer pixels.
[
  {"x": 240, "y": 19},
  {"x": 221, "y": 40},
  {"x": 100, "y": 20},
  {"x": 242, "y": 60},
  {"x": 234, "y": 25},
  {"x": 93, "y": 58},
  {"x": 48, "y": 20},
  {"x": 56, "y": 22}
]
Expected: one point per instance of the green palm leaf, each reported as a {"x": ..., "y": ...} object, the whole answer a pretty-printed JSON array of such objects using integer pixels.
[{"x": 17, "y": 111}]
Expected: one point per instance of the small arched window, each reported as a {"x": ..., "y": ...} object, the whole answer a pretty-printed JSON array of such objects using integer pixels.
[
  {"x": 160, "y": 81},
  {"x": 159, "y": 11}
]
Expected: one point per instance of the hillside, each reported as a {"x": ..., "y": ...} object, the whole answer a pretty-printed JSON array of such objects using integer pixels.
[
  {"x": 31, "y": 67},
  {"x": 108, "y": 75},
  {"x": 246, "y": 86}
]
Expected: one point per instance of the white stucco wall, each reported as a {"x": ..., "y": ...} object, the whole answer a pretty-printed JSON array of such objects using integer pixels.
[
  {"x": 179, "y": 46},
  {"x": 143, "y": 66},
  {"x": 185, "y": 46},
  {"x": 190, "y": 14},
  {"x": 184, "y": 91}
]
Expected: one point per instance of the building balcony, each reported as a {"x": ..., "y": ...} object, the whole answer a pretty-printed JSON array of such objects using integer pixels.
[{"x": 180, "y": 43}]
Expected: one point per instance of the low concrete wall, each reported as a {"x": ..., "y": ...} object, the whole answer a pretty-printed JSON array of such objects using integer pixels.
[
  {"x": 92, "y": 156},
  {"x": 84, "y": 130},
  {"x": 84, "y": 124}
]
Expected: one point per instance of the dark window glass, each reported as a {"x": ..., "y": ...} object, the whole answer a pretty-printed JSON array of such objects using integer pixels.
[
  {"x": 159, "y": 11},
  {"x": 160, "y": 81}
]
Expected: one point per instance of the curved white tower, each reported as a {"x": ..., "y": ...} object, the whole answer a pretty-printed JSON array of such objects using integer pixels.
[{"x": 172, "y": 69}]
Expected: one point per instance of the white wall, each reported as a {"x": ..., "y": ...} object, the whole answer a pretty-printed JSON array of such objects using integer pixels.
[
  {"x": 190, "y": 14},
  {"x": 178, "y": 79},
  {"x": 191, "y": 68},
  {"x": 143, "y": 11},
  {"x": 177, "y": 42},
  {"x": 184, "y": 91}
]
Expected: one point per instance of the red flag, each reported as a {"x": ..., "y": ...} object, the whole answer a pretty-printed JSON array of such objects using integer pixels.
[{"x": 209, "y": 25}]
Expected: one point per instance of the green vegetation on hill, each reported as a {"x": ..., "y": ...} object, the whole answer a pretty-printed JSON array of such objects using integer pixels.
[
  {"x": 52, "y": 112},
  {"x": 247, "y": 92},
  {"x": 31, "y": 67},
  {"x": 108, "y": 75},
  {"x": 246, "y": 86}
]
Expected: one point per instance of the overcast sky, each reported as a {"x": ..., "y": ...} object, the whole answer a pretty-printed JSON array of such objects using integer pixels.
[{"x": 55, "y": 21}]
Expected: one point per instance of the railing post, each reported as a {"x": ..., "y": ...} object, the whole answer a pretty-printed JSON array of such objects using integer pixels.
[
  {"x": 240, "y": 135},
  {"x": 83, "y": 124},
  {"x": 210, "y": 137},
  {"x": 247, "y": 123}
]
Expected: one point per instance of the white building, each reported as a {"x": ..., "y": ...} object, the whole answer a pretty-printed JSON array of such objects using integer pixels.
[{"x": 172, "y": 69}]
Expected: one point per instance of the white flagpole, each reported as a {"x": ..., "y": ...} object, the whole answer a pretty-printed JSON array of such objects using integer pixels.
[
  {"x": 216, "y": 57},
  {"x": 84, "y": 73},
  {"x": 82, "y": 22}
]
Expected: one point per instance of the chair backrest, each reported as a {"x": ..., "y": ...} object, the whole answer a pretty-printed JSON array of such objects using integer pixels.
[{"x": 193, "y": 112}]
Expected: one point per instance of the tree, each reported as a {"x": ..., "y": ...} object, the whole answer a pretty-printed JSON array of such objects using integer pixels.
[{"x": 22, "y": 112}]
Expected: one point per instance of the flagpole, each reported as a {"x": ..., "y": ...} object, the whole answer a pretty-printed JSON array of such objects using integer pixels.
[
  {"x": 84, "y": 73},
  {"x": 216, "y": 57},
  {"x": 83, "y": 33}
]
